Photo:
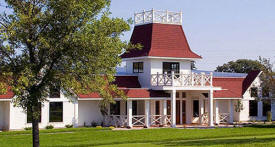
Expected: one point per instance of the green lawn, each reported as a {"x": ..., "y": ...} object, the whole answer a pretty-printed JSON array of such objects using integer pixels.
[{"x": 248, "y": 136}]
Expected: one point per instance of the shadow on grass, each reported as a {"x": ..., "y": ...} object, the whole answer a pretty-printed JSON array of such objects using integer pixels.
[
  {"x": 219, "y": 142},
  {"x": 196, "y": 142},
  {"x": 261, "y": 126}
]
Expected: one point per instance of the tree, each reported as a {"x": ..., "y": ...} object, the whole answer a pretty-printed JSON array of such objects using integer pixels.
[
  {"x": 73, "y": 44},
  {"x": 240, "y": 66}
]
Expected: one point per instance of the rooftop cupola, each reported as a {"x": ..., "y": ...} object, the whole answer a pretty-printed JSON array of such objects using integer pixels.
[
  {"x": 156, "y": 16},
  {"x": 161, "y": 35}
]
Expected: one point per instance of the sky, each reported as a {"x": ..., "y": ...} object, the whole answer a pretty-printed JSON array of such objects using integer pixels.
[{"x": 218, "y": 30}]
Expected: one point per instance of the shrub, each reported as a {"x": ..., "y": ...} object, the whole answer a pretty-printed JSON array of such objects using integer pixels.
[
  {"x": 112, "y": 127},
  {"x": 269, "y": 116},
  {"x": 49, "y": 127},
  {"x": 93, "y": 124},
  {"x": 28, "y": 128},
  {"x": 98, "y": 126},
  {"x": 68, "y": 126}
]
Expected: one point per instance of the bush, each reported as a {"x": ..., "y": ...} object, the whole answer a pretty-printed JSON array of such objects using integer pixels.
[
  {"x": 112, "y": 127},
  {"x": 269, "y": 116},
  {"x": 49, "y": 127},
  {"x": 68, "y": 126},
  {"x": 28, "y": 128},
  {"x": 93, "y": 124},
  {"x": 98, "y": 126}
]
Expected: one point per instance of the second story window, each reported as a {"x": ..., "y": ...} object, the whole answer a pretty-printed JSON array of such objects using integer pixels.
[
  {"x": 55, "y": 92},
  {"x": 171, "y": 66},
  {"x": 137, "y": 67}
]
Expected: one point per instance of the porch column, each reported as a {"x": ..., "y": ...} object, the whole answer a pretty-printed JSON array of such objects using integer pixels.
[
  {"x": 231, "y": 115},
  {"x": 129, "y": 113},
  {"x": 260, "y": 109},
  {"x": 164, "y": 103},
  {"x": 173, "y": 108},
  {"x": 201, "y": 110},
  {"x": 147, "y": 113},
  {"x": 75, "y": 121},
  {"x": 210, "y": 117},
  {"x": 181, "y": 111},
  {"x": 217, "y": 112}
]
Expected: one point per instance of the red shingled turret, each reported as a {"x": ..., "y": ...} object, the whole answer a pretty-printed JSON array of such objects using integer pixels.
[{"x": 160, "y": 40}]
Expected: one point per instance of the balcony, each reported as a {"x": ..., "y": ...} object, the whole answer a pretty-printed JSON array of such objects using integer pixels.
[{"x": 182, "y": 80}]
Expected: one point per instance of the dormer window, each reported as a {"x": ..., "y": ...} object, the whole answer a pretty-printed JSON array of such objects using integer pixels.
[
  {"x": 137, "y": 67},
  {"x": 254, "y": 92},
  {"x": 171, "y": 66}
]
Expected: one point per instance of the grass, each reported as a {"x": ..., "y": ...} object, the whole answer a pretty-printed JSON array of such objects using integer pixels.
[{"x": 82, "y": 137}]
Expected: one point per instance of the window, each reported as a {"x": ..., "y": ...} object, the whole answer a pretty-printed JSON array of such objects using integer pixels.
[
  {"x": 134, "y": 103},
  {"x": 253, "y": 108},
  {"x": 171, "y": 66},
  {"x": 55, "y": 92},
  {"x": 266, "y": 107},
  {"x": 138, "y": 67},
  {"x": 177, "y": 94},
  {"x": 183, "y": 95},
  {"x": 157, "y": 108},
  {"x": 196, "y": 108},
  {"x": 115, "y": 108},
  {"x": 29, "y": 116},
  {"x": 56, "y": 111},
  {"x": 254, "y": 92}
]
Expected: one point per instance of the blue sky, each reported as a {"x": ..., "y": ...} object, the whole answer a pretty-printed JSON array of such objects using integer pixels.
[{"x": 219, "y": 30}]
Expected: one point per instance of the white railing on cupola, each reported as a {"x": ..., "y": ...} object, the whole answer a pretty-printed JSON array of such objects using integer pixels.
[
  {"x": 182, "y": 80},
  {"x": 157, "y": 16}
]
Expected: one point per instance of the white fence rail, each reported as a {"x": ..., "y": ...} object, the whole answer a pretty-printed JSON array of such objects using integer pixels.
[
  {"x": 138, "y": 120},
  {"x": 193, "y": 79},
  {"x": 224, "y": 117},
  {"x": 156, "y": 16}
]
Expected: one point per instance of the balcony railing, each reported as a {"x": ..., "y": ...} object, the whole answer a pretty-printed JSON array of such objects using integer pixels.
[{"x": 181, "y": 80}]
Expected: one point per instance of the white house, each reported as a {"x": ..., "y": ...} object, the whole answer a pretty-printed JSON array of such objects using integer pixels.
[{"x": 161, "y": 86}]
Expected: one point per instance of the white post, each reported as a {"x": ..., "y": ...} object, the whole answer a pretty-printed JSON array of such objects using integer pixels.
[
  {"x": 202, "y": 78},
  {"x": 164, "y": 102},
  {"x": 147, "y": 113},
  {"x": 201, "y": 109},
  {"x": 173, "y": 108},
  {"x": 167, "y": 16},
  {"x": 181, "y": 112},
  {"x": 180, "y": 17},
  {"x": 157, "y": 78},
  {"x": 153, "y": 15},
  {"x": 260, "y": 109},
  {"x": 210, "y": 121},
  {"x": 129, "y": 113},
  {"x": 211, "y": 79},
  {"x": 75, "y": 122},
  {"x": 143, "y": 16},
  {"x": 217, "y": 112},
  {"x": 231, "y": 116},
  {"x": 172, "y": 78}
]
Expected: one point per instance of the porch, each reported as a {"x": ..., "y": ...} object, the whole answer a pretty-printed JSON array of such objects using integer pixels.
[{"x": 191, "y": 108}]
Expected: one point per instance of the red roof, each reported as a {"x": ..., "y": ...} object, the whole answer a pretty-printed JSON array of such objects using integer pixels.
[
  {"x": 131, "y": 86},
  {"x": 160, "y": 40},
  {"x": 8, "y": 95},
  {"x": 234, "y": 87}
]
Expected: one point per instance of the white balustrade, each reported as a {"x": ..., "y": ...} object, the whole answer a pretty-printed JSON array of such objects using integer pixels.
[
  {"x": 193, "y": 79},
  {"x": 138, "y": 120},
  {"x": 224, "y": 117},
  {"x": 115, "y": 120},
  {"x": 156, "y": 16}
]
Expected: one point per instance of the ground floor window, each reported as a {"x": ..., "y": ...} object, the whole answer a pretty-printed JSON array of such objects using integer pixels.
[
  {"x": 29, "y": 116},
  {"x": 266, "y": 107},
  {"x": 56, "y": 111},
  {"x": 157, "y": 108},
  {"x": 195, "y": 108},
  {"x": 115, "y": 108},
  {"x": 253, "y": 108}
]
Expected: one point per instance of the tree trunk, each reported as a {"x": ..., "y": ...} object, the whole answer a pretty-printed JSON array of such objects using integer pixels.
[{"x": 35, "y": 130}]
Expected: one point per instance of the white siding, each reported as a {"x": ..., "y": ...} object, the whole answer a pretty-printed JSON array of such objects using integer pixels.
[{"x": 89, "y": 111}]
